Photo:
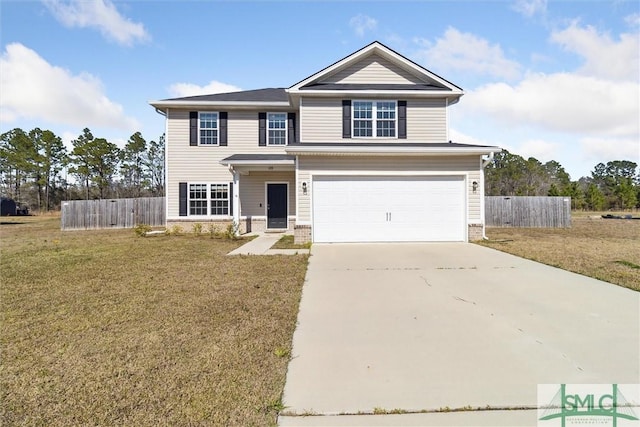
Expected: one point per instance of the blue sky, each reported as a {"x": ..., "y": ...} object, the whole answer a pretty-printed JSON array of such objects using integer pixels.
[{"x": 556, "y": 80}]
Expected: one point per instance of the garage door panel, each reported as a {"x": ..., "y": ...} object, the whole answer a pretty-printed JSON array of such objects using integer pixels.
[{"x": 383, "y": 208}]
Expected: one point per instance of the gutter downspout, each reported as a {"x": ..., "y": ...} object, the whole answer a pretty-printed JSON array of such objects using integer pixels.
[{"x": 483, "y": 164}]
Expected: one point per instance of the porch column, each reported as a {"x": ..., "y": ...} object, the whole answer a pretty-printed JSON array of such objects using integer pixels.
[{"x": 236, "y": 199}]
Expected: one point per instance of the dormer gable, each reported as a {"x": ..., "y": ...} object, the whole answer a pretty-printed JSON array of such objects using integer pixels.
[{"x": 378, "y": 68}]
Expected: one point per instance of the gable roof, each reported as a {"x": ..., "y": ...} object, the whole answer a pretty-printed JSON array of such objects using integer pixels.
[
  {"x": 413, "y": 80},
  {"x": 431, "y": 81}
]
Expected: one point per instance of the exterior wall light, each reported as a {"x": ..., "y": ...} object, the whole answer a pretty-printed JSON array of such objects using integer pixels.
[
  {"x": 304, "y": 188},
  {"x": 474, "y": 186}
]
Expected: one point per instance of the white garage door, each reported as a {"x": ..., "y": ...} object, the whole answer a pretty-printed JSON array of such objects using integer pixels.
[{"x": 388, "y": 209}]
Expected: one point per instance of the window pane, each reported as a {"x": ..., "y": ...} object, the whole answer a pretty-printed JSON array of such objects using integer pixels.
[
  {"x": 197, "y": 199},
  {"x": 277, "y": 128},
  {"x": 219, "y": 199},
  {"x": 208, "y": 137},
  {"x": 362, "y": 128},
  {"x": 208, "y": 128},
  {"x": 362, "y": 110},
  {"x": 386, "y": 129}
]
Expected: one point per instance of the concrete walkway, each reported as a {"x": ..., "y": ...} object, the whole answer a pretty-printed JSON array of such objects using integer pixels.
[
  {"x": 431, "y": 327},
  {"x": 262, "y": 244}
]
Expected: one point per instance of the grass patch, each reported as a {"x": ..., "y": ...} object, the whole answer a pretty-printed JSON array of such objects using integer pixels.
[
  {"x": 605, "y": 249},
  {"x": 628, "y": 264},
  {"x": 106, "y": 328},
  {"x": 286, "y": 242}
]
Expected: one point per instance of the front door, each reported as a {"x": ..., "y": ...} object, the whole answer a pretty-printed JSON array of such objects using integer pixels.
[{"x": 277, "y": 206}]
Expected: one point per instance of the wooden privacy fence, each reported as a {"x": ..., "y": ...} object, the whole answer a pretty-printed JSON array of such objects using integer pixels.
[
  {"x": 112, "y": 213},
  {"x": 525, "y": 211}
]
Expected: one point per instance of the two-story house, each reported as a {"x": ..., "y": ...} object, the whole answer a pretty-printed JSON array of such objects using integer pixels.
[{"x": 357, "y": 152}]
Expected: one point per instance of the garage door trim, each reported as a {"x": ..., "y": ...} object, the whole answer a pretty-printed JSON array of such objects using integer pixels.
[{"x": 457, "y": 227}]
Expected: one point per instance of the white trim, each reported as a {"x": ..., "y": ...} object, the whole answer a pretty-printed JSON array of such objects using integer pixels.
[
  {"x": 388, "y": 150},
  {"x": 384, "y": 174},
  {"x": 446, "y": 119},
  {"x": 235, "y": 197},
  {"x": 296, "y": 189},
  {"x": 199, "y": 104},
  {"x": 217, "y": 129},
  {"x": 258, "y": 162},
  {"x": 166, "y": 169},
  {"x": 394, "y": 93},
  {"x": 286, "y": 129},
  {"x": 266, "y": 202},
  {"x": 481, "y": 188},
  {"x": 208, "y": 199},
  {"x": 374, "y": 119}
]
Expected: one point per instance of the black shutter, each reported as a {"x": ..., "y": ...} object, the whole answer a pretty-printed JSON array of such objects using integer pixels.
[
  {"x": 231, "y": 198},
  {"x": 291, "y": 125},
  {"x": 182, "y": 197},
  {"x": 262, "y": 129},
  {"x": 402, "y": 119},
  {"x": 346, "y": 118},
  {"x": 222, "y": 128},
  {"x": 193, "y": 128}
]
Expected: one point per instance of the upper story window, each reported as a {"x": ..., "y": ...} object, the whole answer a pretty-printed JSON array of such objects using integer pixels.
[
  {"x": 374, "y": 119},
  {"x": 208, "y": 128},
  {"x": 277, "y": 128}
]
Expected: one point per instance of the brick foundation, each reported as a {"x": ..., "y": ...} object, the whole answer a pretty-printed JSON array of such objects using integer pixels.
[
  {"x": 301, "y": 234},
  {"x": 475, "y": 232},
  {"x": 248, "y": 225}
]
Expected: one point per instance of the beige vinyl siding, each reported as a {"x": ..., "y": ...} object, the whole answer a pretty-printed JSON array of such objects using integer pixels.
[
  {"x": 380, "y": 165},
  {"x": 304, "y": 200},
  {"x": 427, "y": 121},
  {"x": 253, "y": 192},
  {"x": 373, "y": 69},
  {"x": 201, "y": 164},
  {"x": 322, "y": 121}
]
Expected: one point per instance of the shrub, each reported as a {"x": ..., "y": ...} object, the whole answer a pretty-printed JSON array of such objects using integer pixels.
[
  {"x": 175, "y": 230},
  {"x": 141, "y": 230},
  {"x": 231, "y": 231},
  {"x": 197, "y": 229},
  {"x": 214, "y": 231}
]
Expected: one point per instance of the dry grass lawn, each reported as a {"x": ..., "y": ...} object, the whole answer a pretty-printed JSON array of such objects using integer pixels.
[
  {"x": 107, "y": 328},
  {"x": 606, "y": 249}
]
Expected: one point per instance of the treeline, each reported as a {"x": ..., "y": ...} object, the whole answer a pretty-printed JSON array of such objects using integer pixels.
[
  {"x": 37, "y": 170},
  {"x": 611, "y": 186}
]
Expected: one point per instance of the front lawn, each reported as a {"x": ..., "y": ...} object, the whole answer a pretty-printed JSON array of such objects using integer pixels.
[
  {"x": 606, "y": 249},
  {"x": 107, "y": 328}
]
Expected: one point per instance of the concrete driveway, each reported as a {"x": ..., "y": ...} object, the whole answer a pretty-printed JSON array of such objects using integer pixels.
[{"x": 424, "y": 327}]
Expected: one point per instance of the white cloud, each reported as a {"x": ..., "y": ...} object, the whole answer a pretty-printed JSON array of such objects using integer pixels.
[
  {"x": 538, "y": 148},
  {"x": 607, "y": 149},
  {"x": 467, "y": 52},
  {"x": 362, "y": 23},
  {"x": 563, "y": 102},
  {"x": 34, "y": 89},
  {"x": 598, "y": 100},
  {"x": 633, "y": 20},
  {"x": 529, "y": 8},
  {"x": 180, "y": 90},
  {"x": 603, "y": 56},
  {"x": 99, "y": 14}
]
